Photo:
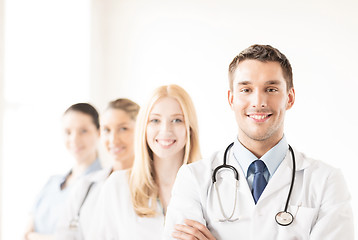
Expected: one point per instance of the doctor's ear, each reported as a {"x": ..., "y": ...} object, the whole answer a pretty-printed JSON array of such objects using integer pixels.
[
  {"x": 290, "y": 98},
  {"x": 230, "y": 97}
]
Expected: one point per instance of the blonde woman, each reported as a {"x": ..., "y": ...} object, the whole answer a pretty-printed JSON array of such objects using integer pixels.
[
  {"x": 166, "y": 138},
  {"x": 117, "y": 134}
]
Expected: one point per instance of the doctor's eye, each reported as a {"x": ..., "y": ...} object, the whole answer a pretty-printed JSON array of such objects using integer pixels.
[
  {"x": 244, "y": 90},
  {"x": 271, "y": 90},
  {"x": 177, "y": 120},
  {"x": 154, "y": 120},
  {"x": 83, "y": 131},
  {"x": 123, "y": 129},
  {"x": 106, "y": 130}
]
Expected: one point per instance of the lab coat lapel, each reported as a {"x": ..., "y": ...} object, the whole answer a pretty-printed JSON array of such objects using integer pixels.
[
  {"x": 280, "y": 179},
  {"x": 283, "y": 175},
  {"x": 244, "y": 189}
]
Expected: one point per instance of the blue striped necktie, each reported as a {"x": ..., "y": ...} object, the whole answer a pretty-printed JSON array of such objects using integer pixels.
[{"x": 259, "y": 183}]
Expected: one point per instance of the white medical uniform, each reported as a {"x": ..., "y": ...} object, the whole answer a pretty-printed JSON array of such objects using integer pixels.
[
  {"x": 73, "y": 206},
  {"x": 52, "y": 199},
  {"x": 320, "y": 201},
  {"x": 115, "y": 218}
]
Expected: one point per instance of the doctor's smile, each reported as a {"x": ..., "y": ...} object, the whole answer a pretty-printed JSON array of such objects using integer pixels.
[
  {"x": 117, "y": 150},
  {"x": 166, "y": 143},
  {"x": 259, "y": 117},
  {"x": 77, "y": 149}
]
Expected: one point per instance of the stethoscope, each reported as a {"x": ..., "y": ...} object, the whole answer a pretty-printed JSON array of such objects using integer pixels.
[
  {"x": 283, "y": 218},
  {"x": 74, "y": 223}
]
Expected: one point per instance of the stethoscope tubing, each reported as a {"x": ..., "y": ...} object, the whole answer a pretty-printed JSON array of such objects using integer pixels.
[
  {"x": 277, "y": 216},
  {"x": 293, "y": 177},
  {"x": 225, "y": 165}
]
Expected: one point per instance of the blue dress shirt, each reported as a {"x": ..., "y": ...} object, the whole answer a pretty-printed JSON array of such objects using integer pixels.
[
  {"x": 272, "y": 159},
  {"x": 50, "y": 203}
]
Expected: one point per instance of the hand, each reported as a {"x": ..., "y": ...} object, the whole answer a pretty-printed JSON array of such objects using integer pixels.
[
  {"x": 37, "y": 236},
  {"x": 191, "y": 231}
]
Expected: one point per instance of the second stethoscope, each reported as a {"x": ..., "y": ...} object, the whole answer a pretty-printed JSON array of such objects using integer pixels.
[
  {"x": 74, "y": 223},
  {"x": 283, "y": 218}
]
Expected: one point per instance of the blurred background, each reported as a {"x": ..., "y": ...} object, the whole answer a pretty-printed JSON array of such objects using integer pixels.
[{"x": 54, "y": 53}]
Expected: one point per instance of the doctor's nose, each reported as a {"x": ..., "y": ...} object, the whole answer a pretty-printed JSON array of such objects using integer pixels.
[
  {"x": 113, "y": 138},
  {"x": 165, "y": 126},
  {"x": 258, "y": 100},
  {"x": 73, "y": 139}
]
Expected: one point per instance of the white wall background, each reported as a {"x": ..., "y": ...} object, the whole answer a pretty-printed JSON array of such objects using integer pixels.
[
  {"x": 1, "y": 98},
  {"x": 58, "y": 54},
  {"x": 46, "y": 69}
]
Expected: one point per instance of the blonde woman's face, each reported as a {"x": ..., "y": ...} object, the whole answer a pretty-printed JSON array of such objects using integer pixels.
[
  {"x": 166, "y": 131},
  {"x": 80, "y": 134},
  {"x": 118, "y": 134}
]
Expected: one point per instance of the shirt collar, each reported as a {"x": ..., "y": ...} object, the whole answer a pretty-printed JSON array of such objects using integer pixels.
[
  {"x": 272, "y": 158},
  {"x": 96, "y": 165}
]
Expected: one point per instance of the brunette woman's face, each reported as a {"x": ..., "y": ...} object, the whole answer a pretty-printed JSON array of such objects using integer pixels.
[
  {"x": 81, "y": 135},
  {"x": 118, "y": 134},
  {"x": 166, "y": 132}
]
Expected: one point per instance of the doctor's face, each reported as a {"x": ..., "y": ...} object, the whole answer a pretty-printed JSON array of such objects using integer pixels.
[
  {"x": 166, "y": 131},
  {"x": 259, "y": 100},
  {"x": 118, "y": 134},
  {"x": 81, "y": 135}
]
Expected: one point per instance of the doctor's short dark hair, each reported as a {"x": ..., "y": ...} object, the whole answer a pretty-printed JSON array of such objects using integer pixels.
[
  {"x": 263, "y": 53},
  {"x": 85, "y": 108}
]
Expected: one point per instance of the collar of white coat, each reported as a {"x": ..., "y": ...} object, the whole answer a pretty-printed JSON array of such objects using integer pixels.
[
  {"x": 283, "y": 174},
  {"x": 100, "y": 175},
  {"x": 246, "y": 157},
  {"x": 272, "y": 158}
]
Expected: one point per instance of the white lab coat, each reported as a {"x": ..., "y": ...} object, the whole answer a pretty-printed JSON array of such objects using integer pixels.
[
  {"x": 115, "y": 218},
  {"x": 63, "y": 231},
  {"x": 320, "y": 202}
]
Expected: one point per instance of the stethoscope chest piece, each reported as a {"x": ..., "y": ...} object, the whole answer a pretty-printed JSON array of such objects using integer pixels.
[
  {"x": 284, "y": 218},
  {"x": 74, "y": 224}
]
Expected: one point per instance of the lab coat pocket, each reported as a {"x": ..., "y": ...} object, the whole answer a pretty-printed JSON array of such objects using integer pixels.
[
  {"x": 304, "y": 216},
  {"x": 303, "y": 220}
]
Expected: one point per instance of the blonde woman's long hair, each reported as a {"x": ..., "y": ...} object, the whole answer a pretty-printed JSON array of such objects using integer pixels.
[{"x": 143, "y": 188}]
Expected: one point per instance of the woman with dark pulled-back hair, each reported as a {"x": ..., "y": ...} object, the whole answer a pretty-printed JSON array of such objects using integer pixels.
[
  {"x": 117, "y": 134},
  {"x": 81, "y": 135}
]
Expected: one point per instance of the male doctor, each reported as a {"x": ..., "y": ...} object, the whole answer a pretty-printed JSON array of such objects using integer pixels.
[{"x": 261, "y": 91}]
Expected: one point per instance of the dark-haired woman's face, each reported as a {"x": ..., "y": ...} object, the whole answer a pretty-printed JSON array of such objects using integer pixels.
[
  {"x": 81, "y": 135},
  {"x": 118, "y": 134}
]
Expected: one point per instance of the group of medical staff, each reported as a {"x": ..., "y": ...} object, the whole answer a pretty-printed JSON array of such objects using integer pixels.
[{"x": 158, "y": 187}]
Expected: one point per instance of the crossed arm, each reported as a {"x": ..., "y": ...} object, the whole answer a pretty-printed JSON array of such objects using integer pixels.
[{"x": 192, "y": 230}]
